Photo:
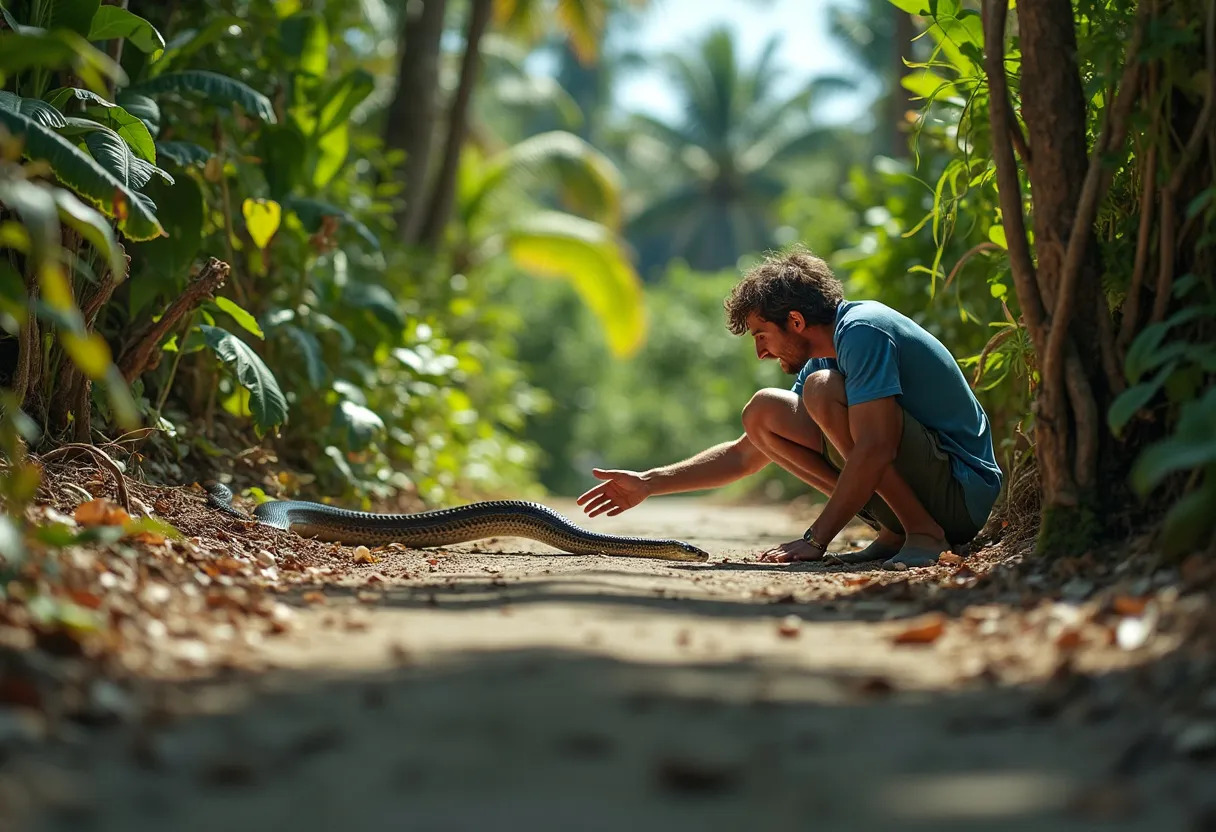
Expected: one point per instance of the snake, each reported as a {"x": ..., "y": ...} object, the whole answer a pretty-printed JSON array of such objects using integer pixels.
[{"x": 446, "y": 526}]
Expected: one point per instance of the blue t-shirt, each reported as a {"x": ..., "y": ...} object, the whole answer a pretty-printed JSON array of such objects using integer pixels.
[{"x": 881, "y": 353}]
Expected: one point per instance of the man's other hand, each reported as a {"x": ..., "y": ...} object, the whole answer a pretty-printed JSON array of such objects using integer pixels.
[
  {"x": 792, "y": 552},
  {"x": 620, "y": 490}
]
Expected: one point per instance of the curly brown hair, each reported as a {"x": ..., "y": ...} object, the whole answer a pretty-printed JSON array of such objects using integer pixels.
[{"x": 794, "y": 280}]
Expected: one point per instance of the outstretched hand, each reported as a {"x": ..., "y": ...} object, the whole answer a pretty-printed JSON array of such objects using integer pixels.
[{"x": 620, "y": 490}]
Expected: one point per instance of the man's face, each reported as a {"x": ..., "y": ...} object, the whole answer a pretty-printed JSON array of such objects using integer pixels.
[{"x": 782, "y": 343}]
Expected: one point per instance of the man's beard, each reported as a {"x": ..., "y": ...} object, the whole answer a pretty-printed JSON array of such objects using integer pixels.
[{"x": 796, "y": 367}]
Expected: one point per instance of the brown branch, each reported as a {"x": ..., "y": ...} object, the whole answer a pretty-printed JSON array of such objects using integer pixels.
[
  {"x": 136, "y": 359},
  {"x": 985, "y": 246},
  {"x": 1085, "y": 421},
  {"x": 102, "y": 459},
  {"x": 1018, "y": 137},
  {"x": 993, "y": 342},
  {"x": 1165, "y": 277},
  {"x": 1097, "y": 180},
  {"x": 1112, "y": 365},
  {"x": 1009, "y": 189},
  {"x": 27, "y": 354},
  {"x": 1148, "y": 190}
]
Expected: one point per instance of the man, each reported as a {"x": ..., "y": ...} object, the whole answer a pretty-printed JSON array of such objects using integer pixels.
[{"x": 880, "y": 419}]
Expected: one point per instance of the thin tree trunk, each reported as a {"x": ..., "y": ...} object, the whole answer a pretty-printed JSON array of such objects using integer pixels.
[
  {"x": 900, "y": 101},
  {"x": 414, "y": 109},
  {"x": 439, "y": 207}
]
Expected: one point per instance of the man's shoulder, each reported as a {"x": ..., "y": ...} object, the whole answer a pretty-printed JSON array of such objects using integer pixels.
[{"x": 866, "y": 312}]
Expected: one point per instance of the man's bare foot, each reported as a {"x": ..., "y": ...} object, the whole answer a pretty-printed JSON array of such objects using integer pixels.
[
  {"x": 919, "y": 550},
  {"x": 887, "y": 543}
]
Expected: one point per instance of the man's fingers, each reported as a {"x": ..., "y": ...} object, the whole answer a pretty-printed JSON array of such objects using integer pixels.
[
  {"x": 597, "y": 502},
  {"x": 600, "y": 508},
  {"x": 604, "y": 473},
  {"x": 593, "y": 492}
]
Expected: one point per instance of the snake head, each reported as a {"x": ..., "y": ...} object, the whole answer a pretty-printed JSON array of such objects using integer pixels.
[{"x": 692, "y": 552}]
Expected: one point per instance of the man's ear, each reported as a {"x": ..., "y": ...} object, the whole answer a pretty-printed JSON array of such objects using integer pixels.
[{"x": 796, "y": 322}]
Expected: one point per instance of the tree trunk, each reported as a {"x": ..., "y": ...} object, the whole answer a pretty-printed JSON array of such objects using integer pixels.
[
  {"x": 1074, "y": 390},
  {"x": 443, "y": 192},
  {"x": 413, "y": 112}
]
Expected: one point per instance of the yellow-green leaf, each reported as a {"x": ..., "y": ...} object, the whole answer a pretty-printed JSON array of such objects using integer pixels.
[
  {"x": 90, "y": 353},
  {"x": 241, "y": 316},
  {"x": 56, "y": 290},
  {"x": 262, "y": 217}
]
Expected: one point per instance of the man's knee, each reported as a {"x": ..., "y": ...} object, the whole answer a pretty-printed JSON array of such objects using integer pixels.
[
  {"x": 823, "y": 390},
  {"x": 759, "y": 413}
]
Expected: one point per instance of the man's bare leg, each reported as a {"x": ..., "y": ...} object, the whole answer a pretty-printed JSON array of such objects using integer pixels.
[
  {"x": 777, "y": 423},
  {"x": 824, "y": 398}
]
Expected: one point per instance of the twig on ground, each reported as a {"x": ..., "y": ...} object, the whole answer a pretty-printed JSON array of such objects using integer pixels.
[{"x": 103, "y": 459}]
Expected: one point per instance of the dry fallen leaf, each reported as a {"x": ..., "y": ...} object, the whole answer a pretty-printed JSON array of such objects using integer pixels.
[
  {"x": 100, "y": 513},
  {"x": 924, "y": 630},
  {"x": 85, "y": 599},
  {"x": 1070, "y": 639},
  {"x": 860, "y": 580},
  {"x": 1129, "y": 605},
  {"x": 949, "y": 558},
  {"x": 313, "y": 597}
]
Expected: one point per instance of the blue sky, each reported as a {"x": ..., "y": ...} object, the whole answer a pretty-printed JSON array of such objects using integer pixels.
[{"x": 807, "y": 48}]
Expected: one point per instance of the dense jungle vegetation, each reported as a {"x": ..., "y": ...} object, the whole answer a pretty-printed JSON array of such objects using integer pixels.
[{"x": 377, "y": 241}]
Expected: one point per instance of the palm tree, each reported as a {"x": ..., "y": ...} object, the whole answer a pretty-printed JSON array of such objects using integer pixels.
[{"x": 715, "y": 176}]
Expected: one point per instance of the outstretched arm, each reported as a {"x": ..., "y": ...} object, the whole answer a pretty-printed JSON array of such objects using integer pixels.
[{"x": 713, "y": 467}]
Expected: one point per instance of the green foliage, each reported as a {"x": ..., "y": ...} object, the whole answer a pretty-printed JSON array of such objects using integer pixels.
[{"x": 682, "y": 392}]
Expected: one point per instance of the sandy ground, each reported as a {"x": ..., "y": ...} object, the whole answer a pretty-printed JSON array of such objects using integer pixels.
[{"x": 485, "y": 687}]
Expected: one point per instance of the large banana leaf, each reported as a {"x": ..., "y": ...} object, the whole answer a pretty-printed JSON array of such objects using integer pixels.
[
  {"x": 129, "y": 128},
  {"x": 132, "y": 130},
  {"x": 589, "y": 257},
  {"x": 40, "y": 111},
  {"x": 218, "y": 89},
  {"x": 587, "y": 179},
  {"x": 116, "y": 22},
  {"x": 78, "y": 170},
  {"x": 143, "y": 108}
]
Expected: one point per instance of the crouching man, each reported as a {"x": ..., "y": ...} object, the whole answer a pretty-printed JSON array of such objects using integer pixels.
[{"x": 880, "y": 419}]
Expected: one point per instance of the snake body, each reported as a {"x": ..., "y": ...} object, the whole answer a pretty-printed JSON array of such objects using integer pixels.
[{"x": 442, "y": 527}]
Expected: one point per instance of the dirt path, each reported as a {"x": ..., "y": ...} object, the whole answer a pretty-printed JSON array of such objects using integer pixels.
[{"x": 476, "y": 689}]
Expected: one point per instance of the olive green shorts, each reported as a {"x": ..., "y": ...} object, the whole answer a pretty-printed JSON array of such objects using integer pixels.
[{"x": 926, "y": 468}]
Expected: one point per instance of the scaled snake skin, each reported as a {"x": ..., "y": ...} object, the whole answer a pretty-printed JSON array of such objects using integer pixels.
[{"x": 443, "y": 527}]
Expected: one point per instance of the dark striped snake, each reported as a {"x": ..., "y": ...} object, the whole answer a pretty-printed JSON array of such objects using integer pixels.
[{"x": 443, "y": 527}]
